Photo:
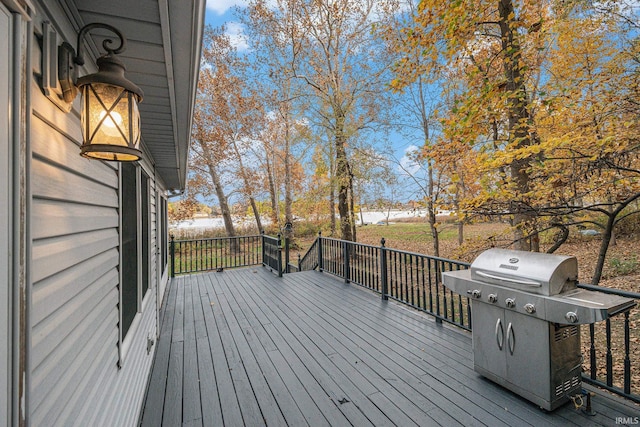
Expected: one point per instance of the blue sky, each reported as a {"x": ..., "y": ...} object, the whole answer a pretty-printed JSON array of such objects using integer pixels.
[{"x": 220, "y": 12}]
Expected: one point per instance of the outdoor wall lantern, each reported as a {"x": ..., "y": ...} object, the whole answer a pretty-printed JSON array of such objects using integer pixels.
[{"x": 110, "y": 116}]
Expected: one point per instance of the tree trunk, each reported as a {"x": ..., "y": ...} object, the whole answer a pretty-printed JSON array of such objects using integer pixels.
[
  {"x": 604, "y": 247},
  {"x": 332, "y": 210},
  {"x": 343, "y": 178},
  {"x": 460, "y": 222},
  {"x": 613, "y": 231},
  {"x": 272, "y": 190},
  {"x": 247, "y": 186},
  {"x": 222, "y": 201},
  {"x": 288, "y": 196},
  {"x": 256, "y": 214},
  {"x": 431, "y": 210},
  {"x": 434, "y": 234},
  {"x": 606, "y": 237},
  {"x": 332, "y": 194},
  {"x": 343, "y": 191},
  {"x": 518, "y": 114},
  {"x": 352, "y": 207},
  {"x": 560, "y": 238},
  {"x": 534, "y": 237}
]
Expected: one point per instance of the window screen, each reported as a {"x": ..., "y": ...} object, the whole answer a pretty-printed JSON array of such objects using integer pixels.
[{"x": 129, "y": 246}]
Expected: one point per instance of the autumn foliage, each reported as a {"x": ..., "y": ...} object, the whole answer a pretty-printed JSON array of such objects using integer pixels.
[
  {"x": 543, "y": 101},
  {"x": 526, "y": 112}
]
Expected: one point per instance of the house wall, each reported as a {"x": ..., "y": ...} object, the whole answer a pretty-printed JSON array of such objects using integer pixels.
[{"x": 82, "y": 371}]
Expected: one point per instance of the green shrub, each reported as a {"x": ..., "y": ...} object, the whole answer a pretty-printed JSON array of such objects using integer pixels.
[{"x": 622, "y": 267}]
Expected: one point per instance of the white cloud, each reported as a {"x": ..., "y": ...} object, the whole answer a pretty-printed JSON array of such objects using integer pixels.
[
  {"x": 408, "y": 165},
  {"x": 235, "y": 32},
  {"x": 221, "y": 6}
]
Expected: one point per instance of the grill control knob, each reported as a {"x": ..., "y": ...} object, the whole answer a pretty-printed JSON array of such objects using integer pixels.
[
  {"x": 510, "y": 302},
  {"x": 571, "y": 317},
  {"x": 475, "y": 293},
  {"x": 493, "y": 298},
  {"x": 530, "y": 308}
]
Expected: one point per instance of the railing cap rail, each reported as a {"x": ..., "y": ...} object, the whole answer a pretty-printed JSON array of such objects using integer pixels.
[
  {"x": 466, "y": 264},
  {"x": 217, "y": 238},
  {"x": 613, "y": 291},
  {"x": 274, "y": 238},
  {"x": 354, "y": 243}
]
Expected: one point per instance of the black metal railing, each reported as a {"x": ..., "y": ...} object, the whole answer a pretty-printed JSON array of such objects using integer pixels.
[
  {"x": 411, "y": 278},
  {"x": 310, "y": 259},
  {"x": 195, "y": 255},
  {"x": 415, "y": 280},
  {"x": 614, "y": 348},
  {"x": 272, "y": 253}
]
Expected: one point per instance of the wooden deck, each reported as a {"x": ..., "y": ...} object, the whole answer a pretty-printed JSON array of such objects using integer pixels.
[{"x": 244, "y": 347}]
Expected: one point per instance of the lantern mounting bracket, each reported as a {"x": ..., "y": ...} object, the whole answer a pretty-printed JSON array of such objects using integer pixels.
[
  {"x": 69, "y": 59},
  {"x": 106, "y": 43}
]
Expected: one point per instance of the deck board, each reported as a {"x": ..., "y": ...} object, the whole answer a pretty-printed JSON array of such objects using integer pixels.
[
  {"x": 394, "y": 347},
  {"x": 244, "y": 347}
]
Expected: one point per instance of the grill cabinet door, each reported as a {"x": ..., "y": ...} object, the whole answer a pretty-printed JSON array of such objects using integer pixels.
[
  {"x": 489, "y": 340},
  {"x": 527, "y": 353}
]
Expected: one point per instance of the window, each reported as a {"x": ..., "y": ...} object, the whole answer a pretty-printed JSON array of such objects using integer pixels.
[
  {"x": 135, "y": 262},
  {"x": 163, "y": 232},
  {"x": 129, "y": 254},
  {"x": 146, "y": 231}
]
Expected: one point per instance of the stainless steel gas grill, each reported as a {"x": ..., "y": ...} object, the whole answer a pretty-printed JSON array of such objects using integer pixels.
[{"x": 525, "y": 315}]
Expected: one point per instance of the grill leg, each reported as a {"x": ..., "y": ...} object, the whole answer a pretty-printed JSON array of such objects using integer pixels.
[{"x": 588, "y": 409}]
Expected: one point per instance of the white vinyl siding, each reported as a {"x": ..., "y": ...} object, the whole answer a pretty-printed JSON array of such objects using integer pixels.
[{"x": 77, "y": 374}]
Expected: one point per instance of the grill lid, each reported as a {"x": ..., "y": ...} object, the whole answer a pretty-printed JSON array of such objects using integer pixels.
[{"x": 538, "y": 273}]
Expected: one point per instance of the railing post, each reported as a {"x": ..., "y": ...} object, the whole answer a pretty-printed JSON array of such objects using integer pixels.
[
  {"x": 263, "y": 247},
  {"x": 172, "y": 250},
  {"x": 444, "y": 296},
  {"x": 279, "y": 250},
  {"x": 286, "y": 255},
  {"x": 345, "y": 260},
  {"x": 627, "y": 359},
  {"x": 609, "y": 354},
  {"x": 592, "y": 351},
  {"x": 383, "y": 270},
  {"x": 320, "y": 262}
]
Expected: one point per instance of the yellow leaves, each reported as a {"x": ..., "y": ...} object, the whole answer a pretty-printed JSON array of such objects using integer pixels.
[
  {"x": 558, "y": 106},
  {"x": 396, "y": 84}
]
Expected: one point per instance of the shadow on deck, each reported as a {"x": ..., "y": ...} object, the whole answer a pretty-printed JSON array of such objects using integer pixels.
[{"x": 244, "y": 347}]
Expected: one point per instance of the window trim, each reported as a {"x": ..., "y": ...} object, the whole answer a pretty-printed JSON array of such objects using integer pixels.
[
  {"x": 125, "y": 342},
  {"x": 162, "y": 232}
]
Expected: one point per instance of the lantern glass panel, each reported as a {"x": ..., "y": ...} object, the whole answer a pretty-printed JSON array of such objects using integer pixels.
[{"x": 110, "y": 122}]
